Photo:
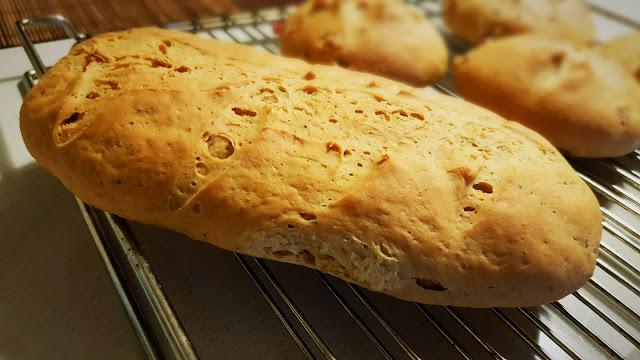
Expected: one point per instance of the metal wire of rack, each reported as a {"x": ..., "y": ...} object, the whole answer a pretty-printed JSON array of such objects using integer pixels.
[{"x": 600, "y": 320}]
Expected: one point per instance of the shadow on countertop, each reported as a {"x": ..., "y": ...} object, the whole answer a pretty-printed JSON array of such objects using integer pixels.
[{"x": 56, "y": 298}]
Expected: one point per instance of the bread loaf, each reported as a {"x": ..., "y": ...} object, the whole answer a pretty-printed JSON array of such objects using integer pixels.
[
  {"x": 478, "y": 20},
  {"x": 585, "y": 104},
  {"x": 626, "y": 50},
  {"x": 383, "y": 37},
  {"x": 400, "y": 190}
]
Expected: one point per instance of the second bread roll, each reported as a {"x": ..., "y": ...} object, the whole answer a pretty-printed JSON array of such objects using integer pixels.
[
  {"x": 585, "y": 104},
  {"x": 626, "y": 50},
  {"x": 382, "y": 37},
  {"x": 478, "y": 20}
]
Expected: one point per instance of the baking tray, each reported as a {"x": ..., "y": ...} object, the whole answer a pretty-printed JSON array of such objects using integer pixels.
[{"x": 188, "y": 300}]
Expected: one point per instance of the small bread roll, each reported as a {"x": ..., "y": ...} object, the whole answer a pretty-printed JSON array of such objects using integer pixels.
[
  {"x": 386, "y": 38},
  {"x": 626, "y": 50},
  {"x": 477, "y": 20},
  {"x": 584, "y": 103}
]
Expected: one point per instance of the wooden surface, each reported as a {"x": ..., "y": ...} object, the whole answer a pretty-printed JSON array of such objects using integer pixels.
[{"x": 96, "y": 16}]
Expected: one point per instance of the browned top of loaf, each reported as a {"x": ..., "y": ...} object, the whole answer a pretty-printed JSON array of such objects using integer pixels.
[
  {"x": 478, "y": 20},
  {"x": 401, "y": 190},
  {"x": 383, "y": 37}
]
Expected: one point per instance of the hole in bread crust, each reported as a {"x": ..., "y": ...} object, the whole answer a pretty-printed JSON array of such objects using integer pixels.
[
  {"x": 333, "y": 147},
  {"x": 484, "y": 187},
  {"x": 385, "y": 251},
  {"x": 557, "y": 58},
  {"x": 75, "y": 117},
  {"x": 69, "y": 128},
  {"x": 400, "y": 112},
  {"x": 431, "y": 285},
  {"x": 156, "y": 63},
  {"x": 281, "y": 253},
  {"x": 342, "y": 63},
  {"x": 469, "y": 208},
  {"x": 307, "y": 257},
  {"x": 382, "y": 114},
  {"x": 244, "y": 112},
  {"x": 311, "y": 90},
  {"x": 304, "y": 256},
  {"x": 202, "y": 169},
  {"x": 308, "y": 216},
  {"x": 219, "y": 146}
]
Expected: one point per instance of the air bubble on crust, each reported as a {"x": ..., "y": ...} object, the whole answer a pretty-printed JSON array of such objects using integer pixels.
[
  {"x": 305, "y": 256},
  {"x": 331, "y": 146},
  {"x": 69, "y": 128},
  {"x": 106, "y": 84},
  {"x": 202, "y": 169},
  {"x": 310, "y": 90},
  {"x": 383, "y": 114},
  {"x": 431, "y": 285},
  {"x": 385, "y": 251},
  {"x": 342, "y": 63},
  {"x": 308, "y": 216},
  {"x": 484, "y": 187},
  {"x": 74, "y": 118},
  {"x": 244, "y": 112},
  {"x": 220, "y": 146},
  {"x": 400, "y": 112}
]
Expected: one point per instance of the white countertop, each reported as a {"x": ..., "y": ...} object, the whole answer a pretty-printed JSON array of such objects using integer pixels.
[{"x": 56, "y": 298}]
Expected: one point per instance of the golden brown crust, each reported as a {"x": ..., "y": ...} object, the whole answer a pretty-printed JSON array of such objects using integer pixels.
[
  {"x": 584, "y": 104},
  {"x": 626, "y": 50},
  {"x": 382, "y": 37},
  {"x": 478, "y": 20},
  {"x": 403, "y": 191}
]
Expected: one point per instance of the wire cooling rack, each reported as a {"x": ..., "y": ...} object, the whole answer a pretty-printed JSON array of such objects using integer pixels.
[{"x": 320, "y": 317}]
